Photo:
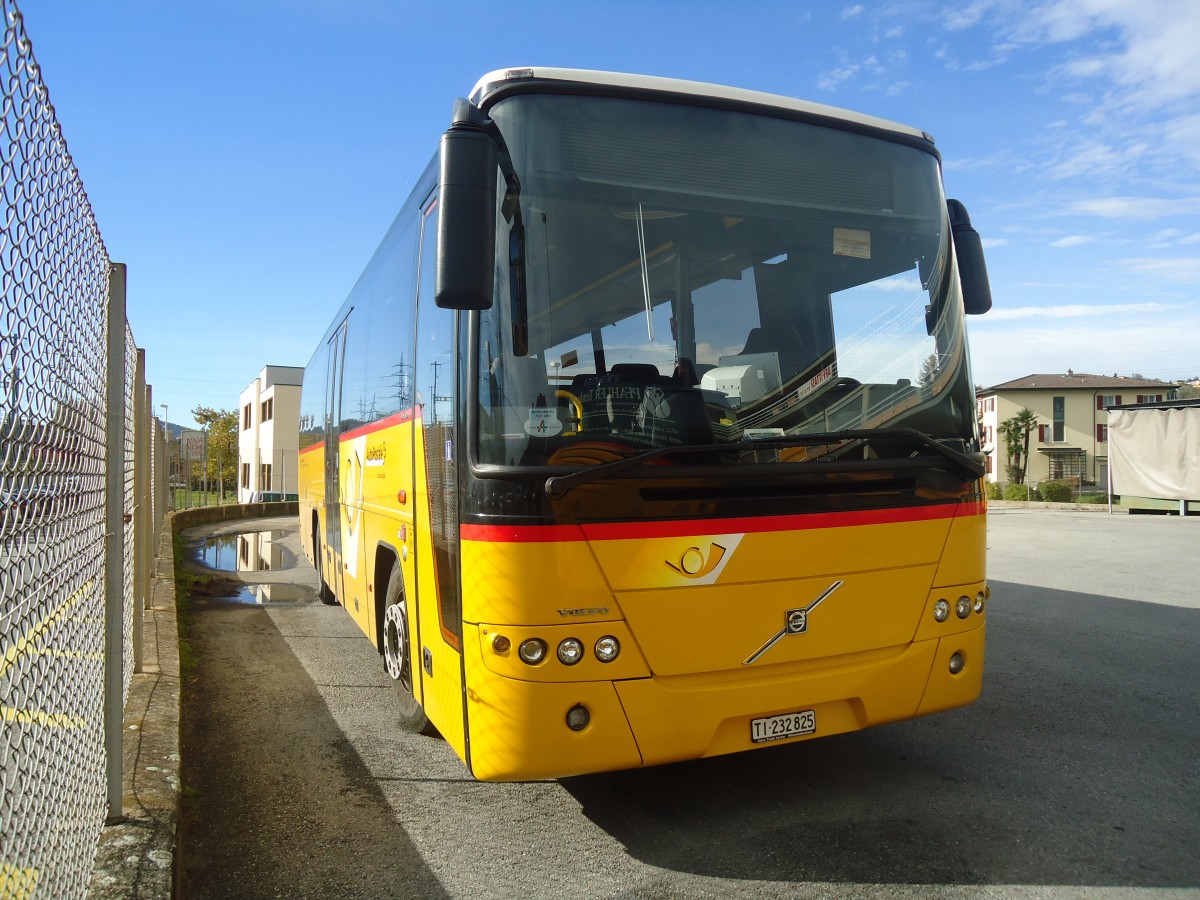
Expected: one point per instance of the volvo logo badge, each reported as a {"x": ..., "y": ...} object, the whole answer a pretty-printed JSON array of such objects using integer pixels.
[{"x": 795, "y": 622}]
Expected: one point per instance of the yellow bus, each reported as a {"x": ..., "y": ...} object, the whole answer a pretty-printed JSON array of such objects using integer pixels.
[{"x": 648, "y": 432}]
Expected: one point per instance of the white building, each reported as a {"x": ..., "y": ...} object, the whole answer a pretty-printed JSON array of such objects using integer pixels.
[
  {"x": 269, "y": 434},
  {"x": 1070, "y": 442}
]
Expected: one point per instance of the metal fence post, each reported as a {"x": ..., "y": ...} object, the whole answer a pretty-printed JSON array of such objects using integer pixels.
[{"x": 114, "y": 544}]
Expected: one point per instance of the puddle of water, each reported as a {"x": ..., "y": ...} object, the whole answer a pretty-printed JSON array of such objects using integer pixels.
[
  {"x": 254, "y": 551},
  {"x": 268, "y": 593}
]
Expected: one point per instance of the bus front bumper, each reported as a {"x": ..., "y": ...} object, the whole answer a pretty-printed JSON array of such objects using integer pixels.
[{"x": 519, "y": 729}]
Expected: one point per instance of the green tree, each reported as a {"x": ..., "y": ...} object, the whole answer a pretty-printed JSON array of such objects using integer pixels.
[
  {"x": 929, "y": 368},
  {"x": 1015, "y": 432},
  {"x": 221, "y": 425}
]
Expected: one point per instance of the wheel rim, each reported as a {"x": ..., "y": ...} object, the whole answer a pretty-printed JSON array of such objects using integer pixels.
[{"x": 395, "y": 644}]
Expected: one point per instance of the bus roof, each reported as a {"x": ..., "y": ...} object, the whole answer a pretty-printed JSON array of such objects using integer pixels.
[{"x": 501, "y": 81}]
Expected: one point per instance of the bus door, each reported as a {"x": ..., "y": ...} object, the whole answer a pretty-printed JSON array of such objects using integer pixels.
[
  {"x": 435, "y": 461},
  {"x": 333, "y": 491}
]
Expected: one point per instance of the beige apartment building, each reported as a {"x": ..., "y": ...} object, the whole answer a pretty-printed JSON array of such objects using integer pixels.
[
  {"x": 1070, "y": 442},
  {"x": 269, "y": 434}
]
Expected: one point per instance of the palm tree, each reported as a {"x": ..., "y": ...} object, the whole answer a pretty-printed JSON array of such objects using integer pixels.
[{"x": 1015, "y": 432}]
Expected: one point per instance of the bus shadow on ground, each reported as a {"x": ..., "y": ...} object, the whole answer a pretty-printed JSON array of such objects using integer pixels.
[
  {"x": 277, "y": 801},
  {"x": 1076, "y": 767}
]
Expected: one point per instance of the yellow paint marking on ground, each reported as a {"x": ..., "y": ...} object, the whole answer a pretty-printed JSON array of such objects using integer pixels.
[
  {"x": 26, "y": 641},
  {"x": 17, "y": 883},
  {"x": 37, "y": 717}
]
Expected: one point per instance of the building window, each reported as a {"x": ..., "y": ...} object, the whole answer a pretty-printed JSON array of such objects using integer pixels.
[
  {"x": 268, "y": 409},
  {"x": 1060, "y": 415},
  {"x": 1101, "y": 433},
  {"x": 1149, "y": 398},
  {"x": 246, "y": 417},
  {"x": 1104, "y": 401},
  {"x": 264, "y": 477},
  {"x": 1043, "y": 434},
  {"x": 246, "y": 476}
]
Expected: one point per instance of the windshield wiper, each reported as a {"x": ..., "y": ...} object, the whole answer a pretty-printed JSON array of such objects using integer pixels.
[{"x": 558, "y": 485}]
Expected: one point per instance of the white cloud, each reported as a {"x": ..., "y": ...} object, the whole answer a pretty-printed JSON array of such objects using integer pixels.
[
  {"x": 852, "y": 12},
  {"x": 1074, "y": 240},
  {"x": 832, "y": 79},
  {"x": 1144, "y": 343},
  {"x": 1072, "y": 311},
  {"x": 1136, "y": 207},
  {"x": 1180, "y": 270},
  {"x": 989, "y": 243}
]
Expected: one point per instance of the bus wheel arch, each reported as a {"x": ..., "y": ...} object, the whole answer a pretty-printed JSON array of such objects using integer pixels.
[{"x": 398, "y": 655}]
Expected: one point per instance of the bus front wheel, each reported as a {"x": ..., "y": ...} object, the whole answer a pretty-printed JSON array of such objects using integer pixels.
[{"x": 397, "y": 656}]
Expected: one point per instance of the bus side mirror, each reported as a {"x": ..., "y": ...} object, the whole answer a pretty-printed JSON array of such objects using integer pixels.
[
  {"x": 466, "y": 229},
  {"x": 972, "y": 270}
]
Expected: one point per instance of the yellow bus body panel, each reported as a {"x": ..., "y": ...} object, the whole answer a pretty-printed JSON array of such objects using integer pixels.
[{"x": 691, "y": 611}]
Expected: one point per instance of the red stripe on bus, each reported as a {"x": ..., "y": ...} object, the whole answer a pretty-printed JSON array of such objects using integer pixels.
[
  {"x": 407, "y": 415},
  {"x": 685, "y": 528}
]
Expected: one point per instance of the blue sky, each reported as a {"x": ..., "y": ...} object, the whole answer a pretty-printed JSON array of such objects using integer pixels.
[{"x": 245, "y": 158}]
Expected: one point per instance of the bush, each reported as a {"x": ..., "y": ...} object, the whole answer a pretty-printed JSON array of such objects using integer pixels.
[
  {"x": 1019, "y": 492},
  {"x": 994, "y": 491},
  {"x": 1056, "y": 492}
]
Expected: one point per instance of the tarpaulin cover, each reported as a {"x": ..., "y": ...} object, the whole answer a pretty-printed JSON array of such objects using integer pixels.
[{"x": 1155, "y": 452}]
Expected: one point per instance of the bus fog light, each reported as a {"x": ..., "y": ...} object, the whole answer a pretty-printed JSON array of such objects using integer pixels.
[
  {"x": 532, "y": 651},
  {"x": 957, "y": 663},
  {"x": 941, "y": 610},
  {"x": 607, "y": 648},
  {"x": 578, "y": 717},
  {"x": 962, "y": 608},
  {"x": 570, "y": 651},
  {"x": 979, "y": 598},
  {"x": 501, "y": 644}
]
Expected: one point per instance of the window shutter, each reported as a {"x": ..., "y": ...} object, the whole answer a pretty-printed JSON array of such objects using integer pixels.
[
  {"x": 1099, "y": 401},
  {"x": 1118, "y": 400},
  {"x": 1042, "y": 433}
]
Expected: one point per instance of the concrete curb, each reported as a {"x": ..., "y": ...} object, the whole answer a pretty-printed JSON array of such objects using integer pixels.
[
  {"x": 1038, "y": 504},
  {"x": 136, "y": 855}
]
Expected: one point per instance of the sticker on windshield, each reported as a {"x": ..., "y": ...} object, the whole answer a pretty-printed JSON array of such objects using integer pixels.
[
  {"x": 543, "y": 422},
  {"x": 816, "y": 381},
  {"x": 852, "y": 242}
]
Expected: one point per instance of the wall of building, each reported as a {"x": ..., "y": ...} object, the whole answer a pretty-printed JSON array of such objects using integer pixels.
[
  {"x": 272, "y": 441},
  {"x": 1079, "y": 431}
]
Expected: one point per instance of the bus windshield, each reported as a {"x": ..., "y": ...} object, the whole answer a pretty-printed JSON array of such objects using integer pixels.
[{"x": 672, "y": 276}]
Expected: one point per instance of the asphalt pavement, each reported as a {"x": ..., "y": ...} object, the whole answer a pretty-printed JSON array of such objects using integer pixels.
[{"x": 1073, "y": 776}]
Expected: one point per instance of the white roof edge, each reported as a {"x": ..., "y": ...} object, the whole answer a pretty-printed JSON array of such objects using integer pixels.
[{"x": 498, "y": 77}]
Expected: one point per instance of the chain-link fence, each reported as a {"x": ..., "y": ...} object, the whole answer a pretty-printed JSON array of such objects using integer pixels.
[{"x": 82, "y": 483}]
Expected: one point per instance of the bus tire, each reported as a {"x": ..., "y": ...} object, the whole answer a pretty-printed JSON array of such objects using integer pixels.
[
  {"x": 397, "y": 656},
  {"x": 323, "y": 591}
]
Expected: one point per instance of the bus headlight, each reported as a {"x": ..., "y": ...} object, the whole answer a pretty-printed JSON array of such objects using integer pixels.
[
  {"x": 607, "y": 648},
  {"x": 962, "y": 608},
  {"x": 532, "y": 651},
  {"x": 957, "y": 663},
  {"x": 941, "y": 610},
  {"x": 979, "y": 598},
  {"x": 570, "y": 651}
]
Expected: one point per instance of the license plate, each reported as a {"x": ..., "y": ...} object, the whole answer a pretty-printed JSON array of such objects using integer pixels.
[{"x": 776, "y": 728}]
